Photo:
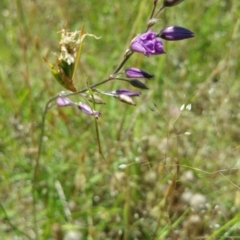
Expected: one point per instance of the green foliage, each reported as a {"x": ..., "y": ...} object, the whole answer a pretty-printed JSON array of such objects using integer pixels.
[{"x": 170, "y": 165}]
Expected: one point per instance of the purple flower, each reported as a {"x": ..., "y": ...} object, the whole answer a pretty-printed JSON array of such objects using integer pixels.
[
  {"x": 147, "y": 43},
  {"x": 174, "y": 33},
  {"x": 63, "y": 101},
  {"x": 88, "y": 110},
  {"x": 127, "y": 92},
  {"x": 137, "y": 73}
]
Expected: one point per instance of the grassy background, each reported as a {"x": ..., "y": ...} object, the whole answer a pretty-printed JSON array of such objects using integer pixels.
[{"x": 170, "y": 172}]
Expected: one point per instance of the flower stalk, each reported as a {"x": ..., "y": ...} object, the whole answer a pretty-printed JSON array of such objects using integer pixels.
[{"x": 148, "y": 43}]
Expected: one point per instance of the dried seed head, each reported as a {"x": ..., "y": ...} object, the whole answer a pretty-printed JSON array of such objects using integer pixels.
[{"x": 68, "y": 46}]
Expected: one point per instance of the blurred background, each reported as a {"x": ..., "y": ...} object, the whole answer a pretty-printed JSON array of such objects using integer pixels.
[{"x": 170, "y": 165}]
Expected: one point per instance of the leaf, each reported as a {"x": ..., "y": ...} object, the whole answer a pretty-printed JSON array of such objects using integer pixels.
[
  {"x": 61, "y": 77},
  {"x": 79, "y": 50},
  {"x": 67, "y": 69},
  {"x": 67, "y": 82}
]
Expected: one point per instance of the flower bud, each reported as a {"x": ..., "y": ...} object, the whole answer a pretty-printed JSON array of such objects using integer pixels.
[
  {"x": 63, "y": 101},
  {"x": 137, "y": 73},
  {"x": 88, "y": 110},
  {"x": 126, "y": 99},
  {"x": 136, "y": 83},
  {"x": 171, "y": 3},
  {"x": 127, "y": 92},
  {"x": 175, "y": 33}
]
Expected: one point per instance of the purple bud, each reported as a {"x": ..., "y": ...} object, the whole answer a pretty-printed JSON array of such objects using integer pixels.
[
  {"x": 136, "y": 83},
  {"x": 174, "y": 33},
  {"x": 127, "y": 92},
  {"x": 147, "y": 43},
  {"x": 63, "y": 101},
  {"x": 171, "y": 3},
  {"x": 137, "y": 73},
  {"x": 88, "y": 110}
]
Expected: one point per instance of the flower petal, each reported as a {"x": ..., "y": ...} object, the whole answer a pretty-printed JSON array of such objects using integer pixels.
[{"x": 147, "y": 44}]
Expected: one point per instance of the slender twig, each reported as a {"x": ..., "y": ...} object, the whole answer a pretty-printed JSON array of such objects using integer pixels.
[
  {"x": 126, "y": 57},
  {"x": 154, "y": 8},
  {"x": 97, "y": 130},
  {"x": 122, "y": 79},
  {"x": 162, "y": 7},
  {"x": 98, "y": 138},
  {"x": 35, "y": 174}
]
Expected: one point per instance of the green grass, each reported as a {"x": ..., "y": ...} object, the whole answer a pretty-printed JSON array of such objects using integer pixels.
[{"x": 155, "y": 181}]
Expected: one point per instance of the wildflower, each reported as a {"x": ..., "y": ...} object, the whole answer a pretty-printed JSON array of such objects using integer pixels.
[
  {"x": 137, "y": 73},
  {"x": 88, "y": 110},
  {"x": 174, "y": 33},
  {"x": 63, "y": 101},
  {"x": 147, "y": 43},
  {"x": 171, "y": 3}
]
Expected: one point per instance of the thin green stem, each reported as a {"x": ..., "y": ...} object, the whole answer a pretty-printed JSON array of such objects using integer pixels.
[
  {"x": 98, "y": 138},
  {"x": 40, "y": 147},
  {"x": 162, "y": 7},
  {"x": 154, "y": 8},
  {"x": 126, "y": 57},
  {"x": 122, "y": 79},
  {"x": 36, "y": 168}
]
